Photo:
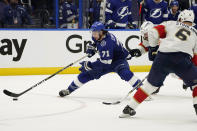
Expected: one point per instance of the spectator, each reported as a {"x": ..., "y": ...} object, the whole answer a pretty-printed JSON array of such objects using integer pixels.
[
  {"x": 68, "y": 13},
  {"x": 194, "y": 8},
  {"x": 155, "y": 11},
  {"x": 95, "y": 11},
  {"x": 194, "y": 2},
  {"x": 118, "y": 14},
  {"x": 173, "y": 11},
  {"x": 3, "y": 4},
  {"x": 15, "y": 14}
]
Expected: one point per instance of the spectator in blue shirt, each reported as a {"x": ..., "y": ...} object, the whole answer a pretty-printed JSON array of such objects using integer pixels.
[
  {"x": 15, "y": 14},
  {"x": 173, "y": 11},
  {"x": 3, "y": 4},
  {"x": 68, "y": 12}
]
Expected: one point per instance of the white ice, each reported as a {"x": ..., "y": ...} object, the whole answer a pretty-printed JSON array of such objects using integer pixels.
[{"x": 42, "y": 110}]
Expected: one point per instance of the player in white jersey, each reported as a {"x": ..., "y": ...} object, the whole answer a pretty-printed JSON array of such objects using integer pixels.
[
  {"x": 143, "y": 47},
  {"x": 178, "y": 44}
]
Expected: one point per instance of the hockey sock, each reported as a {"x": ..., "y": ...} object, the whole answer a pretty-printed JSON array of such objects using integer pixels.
[
  {"x": 74, "y": 85},
  {"x": 141, "y": 94},
  {"x": 195, "y": 95},
  {"x": 134, "y": 81},
  {"x": 80, "y": 81}
]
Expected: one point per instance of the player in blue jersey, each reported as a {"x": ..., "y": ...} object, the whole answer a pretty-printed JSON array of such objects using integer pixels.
[
  {"x": 113, "y": 58},
  {"x": 68, "y": 12},
  {"x": 194, "y": 8},
  {"x": 155, "y": 11},
  {"x": 118, "y": 14},
  {"x": 173, "y": 11}
]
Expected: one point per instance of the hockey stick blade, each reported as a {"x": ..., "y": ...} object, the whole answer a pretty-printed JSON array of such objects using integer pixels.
[
  {"x": 11, "y": 94},
  {"x": 112, "y": 103},
  {"x": 118, "y": 102}
]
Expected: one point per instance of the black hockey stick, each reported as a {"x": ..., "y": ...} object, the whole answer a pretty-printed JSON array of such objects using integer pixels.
[
  {"x": 11, "y": 94},
  {"x": 118, "y": 102}
]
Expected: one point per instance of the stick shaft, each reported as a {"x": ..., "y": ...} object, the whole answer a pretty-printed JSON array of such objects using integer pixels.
[{"x": 51, "y": 76}]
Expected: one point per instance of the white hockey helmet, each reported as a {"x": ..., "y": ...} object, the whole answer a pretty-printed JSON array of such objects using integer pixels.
[
  {"x": 145, "y": 27},
  {"x": 186, "y": 16}
]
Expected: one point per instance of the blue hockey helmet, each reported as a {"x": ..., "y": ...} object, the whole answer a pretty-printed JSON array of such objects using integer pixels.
[
  {"x": 97, "y": 26},
  {"x": 174, "y": 3}
]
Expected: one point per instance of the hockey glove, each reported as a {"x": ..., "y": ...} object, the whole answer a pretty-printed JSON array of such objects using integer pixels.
[
  {"x": 91, "y": 50},
  {"x": 111, "y": 25},
  {"x": 135, "y": 53},
  {"x": 85, "y": 66},
  {"x": 152, "y": 52},
  {"x": 132, "y": 26}
]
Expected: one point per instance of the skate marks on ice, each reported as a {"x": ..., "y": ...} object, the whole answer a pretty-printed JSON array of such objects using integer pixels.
[{"x": 77, "y": 105}]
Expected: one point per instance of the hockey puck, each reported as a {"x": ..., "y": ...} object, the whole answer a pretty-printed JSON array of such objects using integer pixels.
[{"x": 15, "y": 99}]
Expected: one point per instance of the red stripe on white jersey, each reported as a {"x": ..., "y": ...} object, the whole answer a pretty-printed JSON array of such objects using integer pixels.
[
  {"x": 141, "y": 44},
  {"x": 161, "y": 31}
]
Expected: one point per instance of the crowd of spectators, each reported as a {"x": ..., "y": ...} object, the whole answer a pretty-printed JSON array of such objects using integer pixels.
[
  {"x": 115, "y": 14},
  {"x": 27, "y": 13}
]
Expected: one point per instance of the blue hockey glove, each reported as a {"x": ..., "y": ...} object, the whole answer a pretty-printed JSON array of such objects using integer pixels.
[
  {"x": 91, "y": 50},
  {"x": 85, "y": 66}
]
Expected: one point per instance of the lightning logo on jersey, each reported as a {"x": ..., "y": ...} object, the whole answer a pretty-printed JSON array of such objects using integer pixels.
[
  {"x": 123, "y": 11},
  {"x": 118, "y": 13},
  {"x": 156, "y": 13}
]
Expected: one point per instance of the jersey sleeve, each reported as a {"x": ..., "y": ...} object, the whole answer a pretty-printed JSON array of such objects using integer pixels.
[
  {"x": 109, "y": 12},
  {"x": 143, "y": 48},
  {"x": 145, "y": 9},
  {"x": 156, "y": 33},
  {"x": 130, "y": 18},
  {"x": 165, "y": 13}
]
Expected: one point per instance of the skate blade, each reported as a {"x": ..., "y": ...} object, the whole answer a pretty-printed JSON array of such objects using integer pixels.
[
  {"x": 124, "y": 116},
  {"x": 149, "y": 99}
]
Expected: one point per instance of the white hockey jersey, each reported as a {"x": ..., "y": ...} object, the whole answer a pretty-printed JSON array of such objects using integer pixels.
[{"x": 174, "y": 37}]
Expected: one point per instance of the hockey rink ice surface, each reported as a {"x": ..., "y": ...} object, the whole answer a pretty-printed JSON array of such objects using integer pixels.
[{"x": 42, "y": 110}]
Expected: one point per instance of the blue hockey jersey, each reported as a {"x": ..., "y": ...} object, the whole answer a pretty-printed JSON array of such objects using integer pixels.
[
  {"x": 16, "y": 15},
  {"x": 172, "y": 16},
  {"x": 155, "y": 12},
  {"x": 119, "y": 13},
  {"x": 67, "y": 13},
  {"x": 194, "y": 8},
  {"x": 110, "y": 49}
]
